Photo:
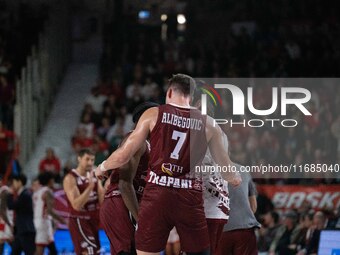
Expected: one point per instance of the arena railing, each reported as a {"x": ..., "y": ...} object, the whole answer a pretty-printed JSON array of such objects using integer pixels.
[{"x": 41, "y": 77}]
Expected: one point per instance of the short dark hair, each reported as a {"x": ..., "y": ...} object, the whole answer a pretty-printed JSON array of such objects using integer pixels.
[
  {"x": 45, "y": 177},
  {"x": 183, "y": 83},
  {"x": 84, "y": 151},
  {"x": 20, "y": 177}
]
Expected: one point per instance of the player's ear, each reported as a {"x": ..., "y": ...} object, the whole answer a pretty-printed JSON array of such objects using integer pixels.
[{"x": 170, "y": 92}]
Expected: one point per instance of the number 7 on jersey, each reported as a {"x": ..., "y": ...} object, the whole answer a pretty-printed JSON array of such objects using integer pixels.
[{"x": 180, "y": 136}]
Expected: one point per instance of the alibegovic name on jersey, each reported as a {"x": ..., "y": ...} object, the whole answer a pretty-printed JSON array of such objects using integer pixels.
[{"x": 181, "y": 122}]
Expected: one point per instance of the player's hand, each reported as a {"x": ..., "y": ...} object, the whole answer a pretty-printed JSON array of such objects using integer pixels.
[
  {"x": 89, "y": 176},
  {"x": 99, "y": 173}
]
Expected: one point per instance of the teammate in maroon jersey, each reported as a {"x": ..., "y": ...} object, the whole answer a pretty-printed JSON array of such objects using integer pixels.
[
  {"x": 84, "y": 194},
  {"x": 173, "y": 195},
  {"x": 123, "y": 194}
]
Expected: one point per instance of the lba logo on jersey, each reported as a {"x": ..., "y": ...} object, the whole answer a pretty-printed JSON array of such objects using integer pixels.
[{"x": 295, "y": 96}]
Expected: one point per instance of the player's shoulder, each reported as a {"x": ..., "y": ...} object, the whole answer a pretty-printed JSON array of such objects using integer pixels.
[
  {"x": 69, "y": 178},
  {"x": 153, "y": 111}
]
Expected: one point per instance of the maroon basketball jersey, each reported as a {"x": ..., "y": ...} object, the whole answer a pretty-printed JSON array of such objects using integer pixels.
[
  {"x": 91, "y": 208},
  {"x": 138, "y": 181},
  {"x": 178, "y": 144}
]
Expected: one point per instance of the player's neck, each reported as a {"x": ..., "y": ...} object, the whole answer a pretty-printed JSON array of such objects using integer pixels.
[
  {"x": 81, "y": 171},
  {"x": 180, "y": 101}
]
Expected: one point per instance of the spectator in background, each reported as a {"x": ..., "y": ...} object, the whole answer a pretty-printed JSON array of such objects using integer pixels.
[
  {"x": 87, "y": 125},
  {"x": 50, "y": 163},
  {"x": 305, "y": 208},
  {"x": 116, "y": 133},
  {"x": 100, "y": 148},
  {"x": 96, "y": 100},
  {"x": 6, "y": 140},
  {"x": 306, "y": 223},
  {"x": 286, "y": 235},
  {"x": 239, "y": 233},
  {"x": 111, "y": 102},
  {"x": 268, "y": 231},
  {"x": 22, "y": 205},
  {"x": 110, "y": 114},
  {"x": 128, "y": 123},
  {"x": 134, "y": 90},
  {"x": 148, "y": 88},
  {"x": 79, "y": 140},
  {"x": 104, "y": 127},
  {"x": 313, "y": 234},
  {"x": 88, "y": 109}
]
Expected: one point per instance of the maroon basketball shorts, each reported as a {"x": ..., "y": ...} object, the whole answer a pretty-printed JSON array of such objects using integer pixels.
[
  {"x": 215, "y": 228},
  {"x": 238, "y": 242},
  {"x": 161, "y": 209},
  {"x": 117, "y": 224},
  {"x": 84, "y": 234}
]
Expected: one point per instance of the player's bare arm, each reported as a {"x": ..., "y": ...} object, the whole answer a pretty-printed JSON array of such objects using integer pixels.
[
  {"x": 3, "y": 207},
  {"x": 76, "y": 199},
  {"x": 123, "y": 154},
  {"x": 49, "y": 199},
  {"x": 126, "y": 175},
  {"x": 220, "y": 155},
  {"x": 100, "y": 191}
]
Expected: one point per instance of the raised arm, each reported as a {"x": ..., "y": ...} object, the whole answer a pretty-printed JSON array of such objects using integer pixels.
[
  {"x": 123, "y": 154},
  {"x": 219, "y": 153},
  {"x": 76, "y": 199}
]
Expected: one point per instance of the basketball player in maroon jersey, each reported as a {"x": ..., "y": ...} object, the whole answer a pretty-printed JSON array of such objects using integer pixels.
[
  {"x": 84, "y": 194},
  {"x": 173, "y": 195},
  {"x": 123, "y": 194}
]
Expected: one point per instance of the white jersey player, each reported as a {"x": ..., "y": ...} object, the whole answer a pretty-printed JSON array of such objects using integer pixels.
[
  {"x": 6, "y": 217},
  {"x": 44, "y": 213},
  {"x": 216, "y": 198}
]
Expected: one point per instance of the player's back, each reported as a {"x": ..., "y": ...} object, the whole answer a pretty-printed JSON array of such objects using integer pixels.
[{"x": 178, "y": 143}]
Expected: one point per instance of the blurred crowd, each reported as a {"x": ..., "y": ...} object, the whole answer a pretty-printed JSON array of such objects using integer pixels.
[
  {"x": 20, "y": 24},
  {"x": 296, "y": 231}
]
